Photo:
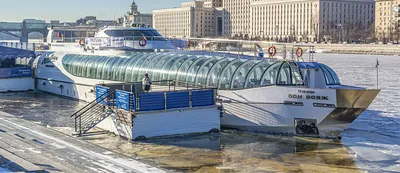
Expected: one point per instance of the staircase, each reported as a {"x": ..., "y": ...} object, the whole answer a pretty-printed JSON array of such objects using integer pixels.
[{"x": 93, "y": 113}]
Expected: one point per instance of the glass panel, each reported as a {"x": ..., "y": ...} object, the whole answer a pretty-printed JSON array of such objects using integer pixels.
[
  {"x": 148, "y": 66},
  {"x": 270, "y": 75},
  {"x": 122, "y": 68},
  {"x": 330, "y": 75},
  {"x": 130, "y": 73},
  {"x": 173, "y": 71},
  {"x": 201, "y": 77},
  {"x": 101, "y": 67},
  {"x": 181, "y": 76},
  {"x": 253, "y": 78},
  {"x": 284, "y": 77},
  {"x": 157, "y": 73},
  {"x": 239, "y": 78},
  {"x": 132, "y": 33},
  {"x": 88, "y": 66},
  {"x": 167, "y": 66},
  {"x": 75, "y": 64},
  {"x": 131, "y": 65},
  {"x": 297, "y": 78},
  {"x": 214, "y": 73},
  {"x": 82, "y": 66},
  {"x": 95, "y": 69},
  {"x": 115, "y": 33},
  {"x": 227, "y": 74},
  {"x": 136, "y": 70},
  {"x": 149, "y": 35},
  {"x": 114, "y": 72},
  {"x": 194, "y": 68}
]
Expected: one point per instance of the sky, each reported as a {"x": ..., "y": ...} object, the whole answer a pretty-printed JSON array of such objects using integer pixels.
[{"x": 71, "y": 10}]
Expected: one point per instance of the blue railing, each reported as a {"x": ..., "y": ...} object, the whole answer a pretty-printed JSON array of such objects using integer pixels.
[{"x": 156, "y": 101}]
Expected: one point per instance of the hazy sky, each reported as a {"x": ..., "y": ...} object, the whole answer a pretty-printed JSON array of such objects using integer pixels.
[{"x": 71, "y": 10}]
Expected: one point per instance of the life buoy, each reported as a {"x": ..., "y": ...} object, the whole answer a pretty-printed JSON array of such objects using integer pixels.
[
  {"x": 81, "y": 42},
  {"x": 272, "y": 51},
  {"x": 142, "y": 42},
  {"x": 299, "y": 52}
]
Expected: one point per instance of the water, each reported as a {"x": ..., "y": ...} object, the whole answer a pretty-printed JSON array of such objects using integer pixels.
[
  {"x": 371, "y": 143},
  {"x": 374, "y": 136}
]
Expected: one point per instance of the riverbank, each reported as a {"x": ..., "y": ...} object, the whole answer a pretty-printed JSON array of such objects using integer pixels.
[{"x": 364, "y": 49}]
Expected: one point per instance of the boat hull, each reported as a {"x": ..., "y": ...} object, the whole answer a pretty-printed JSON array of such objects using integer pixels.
[{"x": 294, "y": 110}]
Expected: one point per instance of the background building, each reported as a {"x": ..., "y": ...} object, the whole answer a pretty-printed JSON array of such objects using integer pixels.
[
  {"x": 278, "y": 20},
  {"x": 312, "y": 20},
  {"x": 133, "y": 16},
  {"x": 191, "y": 19},
  {"x": 387, "y": 20}
]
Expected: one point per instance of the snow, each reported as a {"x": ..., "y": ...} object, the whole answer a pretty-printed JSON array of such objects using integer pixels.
[{"x": 374, "y": 137}]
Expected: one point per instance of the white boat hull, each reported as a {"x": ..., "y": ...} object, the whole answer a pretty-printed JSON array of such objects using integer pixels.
[{"x": 276, "y": 109}]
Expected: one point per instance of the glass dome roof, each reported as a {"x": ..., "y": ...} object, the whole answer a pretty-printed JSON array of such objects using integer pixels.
[{"x": 199, "y": 70}]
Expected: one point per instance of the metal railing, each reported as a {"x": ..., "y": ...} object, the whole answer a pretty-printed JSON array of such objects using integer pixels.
[
  {"x": 93, "y": 113},
  {"x": 251, "y": 49}
]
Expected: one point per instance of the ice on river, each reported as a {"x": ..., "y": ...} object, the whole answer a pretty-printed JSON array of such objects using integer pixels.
[{"x": 374, "y": 137}]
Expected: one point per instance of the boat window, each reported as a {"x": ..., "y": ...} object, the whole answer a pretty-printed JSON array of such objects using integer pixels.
[
  {"x": 330, "y": 76},
  {"x": 156, "y": 33},
  {"x": 269, "y": 76},
  {"x": 253, "y": 78},
  {"x": 46, "y": 60},
  {"x": 194, "y": 68},
  {"x": 115, "y": 33},
  {"x": 201, "y": 77},
  {"x": 133, "y": 33},
  {"x": 173, "y": 71},
  {"x": 284, "y": 77},
  {"x": 239, "y": 78},
  {"x": 213, "y": 74},
  {"x": 227, "y": 74},
  {"x": 149, "y": 35}
]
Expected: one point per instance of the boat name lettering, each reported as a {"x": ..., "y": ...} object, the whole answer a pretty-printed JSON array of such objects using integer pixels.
[
  {"x": 308, "y": 97},
  {"x": 306, "y": 92}
]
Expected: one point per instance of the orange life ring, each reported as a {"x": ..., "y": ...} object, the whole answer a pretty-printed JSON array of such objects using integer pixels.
[
  {"x": 142, "y": 42},
  {"x": 81, "y": 42},
  {"x": 272, "y": 51},
  {"x": 299, "y": 52}
]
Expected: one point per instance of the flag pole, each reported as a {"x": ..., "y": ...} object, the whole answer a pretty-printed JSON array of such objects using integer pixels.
[{"x": 377, "y": 73}]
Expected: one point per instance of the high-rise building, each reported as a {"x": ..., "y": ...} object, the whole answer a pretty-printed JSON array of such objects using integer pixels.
[
  {"x": 387, "y": 16},
  {"x": 133, "y": 16}
]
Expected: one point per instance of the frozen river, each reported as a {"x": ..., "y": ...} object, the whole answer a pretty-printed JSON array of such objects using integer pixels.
[
  {"x": 374, "y": 137},
  {"x": 371, "y": 143}
]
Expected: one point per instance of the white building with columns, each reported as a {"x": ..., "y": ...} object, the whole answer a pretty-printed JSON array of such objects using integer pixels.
[
  {"x": 310, "y": 20},
  {"x": 191, "y": 19},
  {"x": 278, "y": 20}
]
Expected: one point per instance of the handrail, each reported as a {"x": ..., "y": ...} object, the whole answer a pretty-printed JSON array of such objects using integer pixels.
[{"x": 96, "y": 100}]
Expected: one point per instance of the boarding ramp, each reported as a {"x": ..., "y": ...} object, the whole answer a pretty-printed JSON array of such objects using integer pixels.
[{"x": 166, "y": 110}]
